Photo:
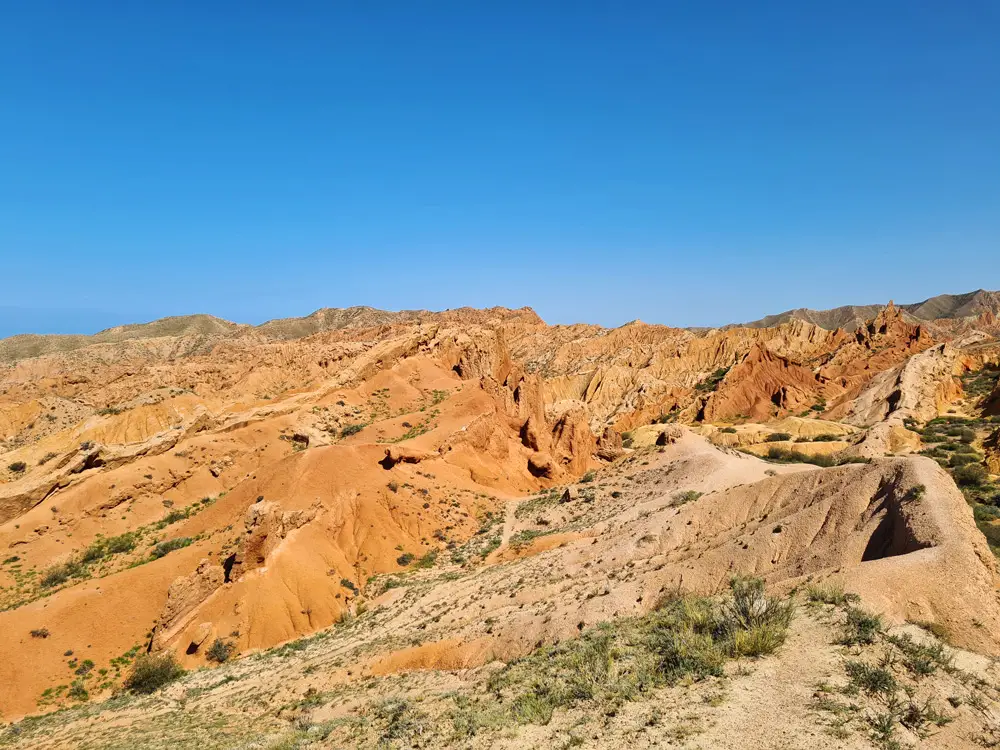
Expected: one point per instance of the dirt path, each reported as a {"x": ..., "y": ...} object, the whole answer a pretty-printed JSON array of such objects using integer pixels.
[
  {"x": 508, "y": 521},
  {"x": 773, "y": 707}
]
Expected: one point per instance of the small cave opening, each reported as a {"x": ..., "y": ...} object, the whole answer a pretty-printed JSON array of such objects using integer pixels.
[
  {"x": 92, "y": 461},
  {"x": 892, "y": 402},
  {"x": 893, "y": 535},
  {"x": 227, "y": 567},
  {"x": 457, "y": 369}
]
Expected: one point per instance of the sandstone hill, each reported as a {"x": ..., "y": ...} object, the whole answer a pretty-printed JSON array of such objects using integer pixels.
[{"x": 474, "y": 529}]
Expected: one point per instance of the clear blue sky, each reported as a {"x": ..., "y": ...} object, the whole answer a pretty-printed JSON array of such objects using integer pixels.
[{"x": 679, "y": 162}]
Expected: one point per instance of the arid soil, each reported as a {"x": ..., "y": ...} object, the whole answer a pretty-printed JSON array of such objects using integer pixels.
[{"x": 365, "y": 507}]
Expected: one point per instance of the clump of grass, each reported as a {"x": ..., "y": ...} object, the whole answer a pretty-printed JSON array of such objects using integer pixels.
[
  {"x": 754, "y": 623},
  {"x": 103, "y": 547},
  {"x": 861, "y": 627},
  {"x": 883, "y": 730},
  {"x": 588, "y": 477},
  {"x": 777, "y": 437},
  {"x": 351, "y": 429},
  {"x": 682, "y": 498},
  {"x": 151, "y": 672},
  {"x": 831, "y": 594},
  {"x": 876, "y": 681}
]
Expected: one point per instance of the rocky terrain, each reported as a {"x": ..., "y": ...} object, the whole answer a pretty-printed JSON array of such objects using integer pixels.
[{"x": 473, "y": 529}]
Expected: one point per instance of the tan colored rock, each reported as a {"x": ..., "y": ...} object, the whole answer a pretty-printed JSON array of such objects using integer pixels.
[
  {"x": 609, "y": 444},
  {"x": 183, "y": 596},
  {"x": 201, "y": 635}
]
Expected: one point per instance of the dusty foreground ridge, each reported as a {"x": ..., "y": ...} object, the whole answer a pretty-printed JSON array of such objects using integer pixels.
[{"x": 472, "y": 529}]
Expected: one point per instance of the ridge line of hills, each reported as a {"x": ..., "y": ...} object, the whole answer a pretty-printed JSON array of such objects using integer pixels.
[{"x": 847, "y": 317}]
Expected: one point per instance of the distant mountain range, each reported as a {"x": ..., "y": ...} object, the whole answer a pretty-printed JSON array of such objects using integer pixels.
[{"x": 849, "y": 317}]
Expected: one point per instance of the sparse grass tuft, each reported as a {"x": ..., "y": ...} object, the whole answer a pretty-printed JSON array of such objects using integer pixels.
[
  {"x": 875, "y": 681},
  {"x": 919, "y": 658},
  {"x": 861, "y": 627},
  {"x": 682, "y": 498}
]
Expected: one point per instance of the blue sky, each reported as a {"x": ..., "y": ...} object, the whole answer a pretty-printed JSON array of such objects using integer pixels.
[{"x": 684, "y": 163}]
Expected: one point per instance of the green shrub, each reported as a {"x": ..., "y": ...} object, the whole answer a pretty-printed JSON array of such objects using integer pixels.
[
  {"x": 220, "y": 650},
  {"x": 777, "y": 437},
  {"x": 351, "y": 429},
  {"x": 122, "y": 543},
  {"x": 164, "y": 548},
  {"x": 971, "y": 475},
  {"x": 777, "y": 453},
  {"x": 151, "y": 672},
  {"x": 17, "y": 467},
  {"x": 729, "y": 430},
  {"x": 962, "y": 459},
  {"x": 172, "y": 517},
  {"x": 588, "y": 477},
  {"x": 77, "y": 691},
  {"x": 405, "y": 559},
  {"x": 59, "y": 574}
]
